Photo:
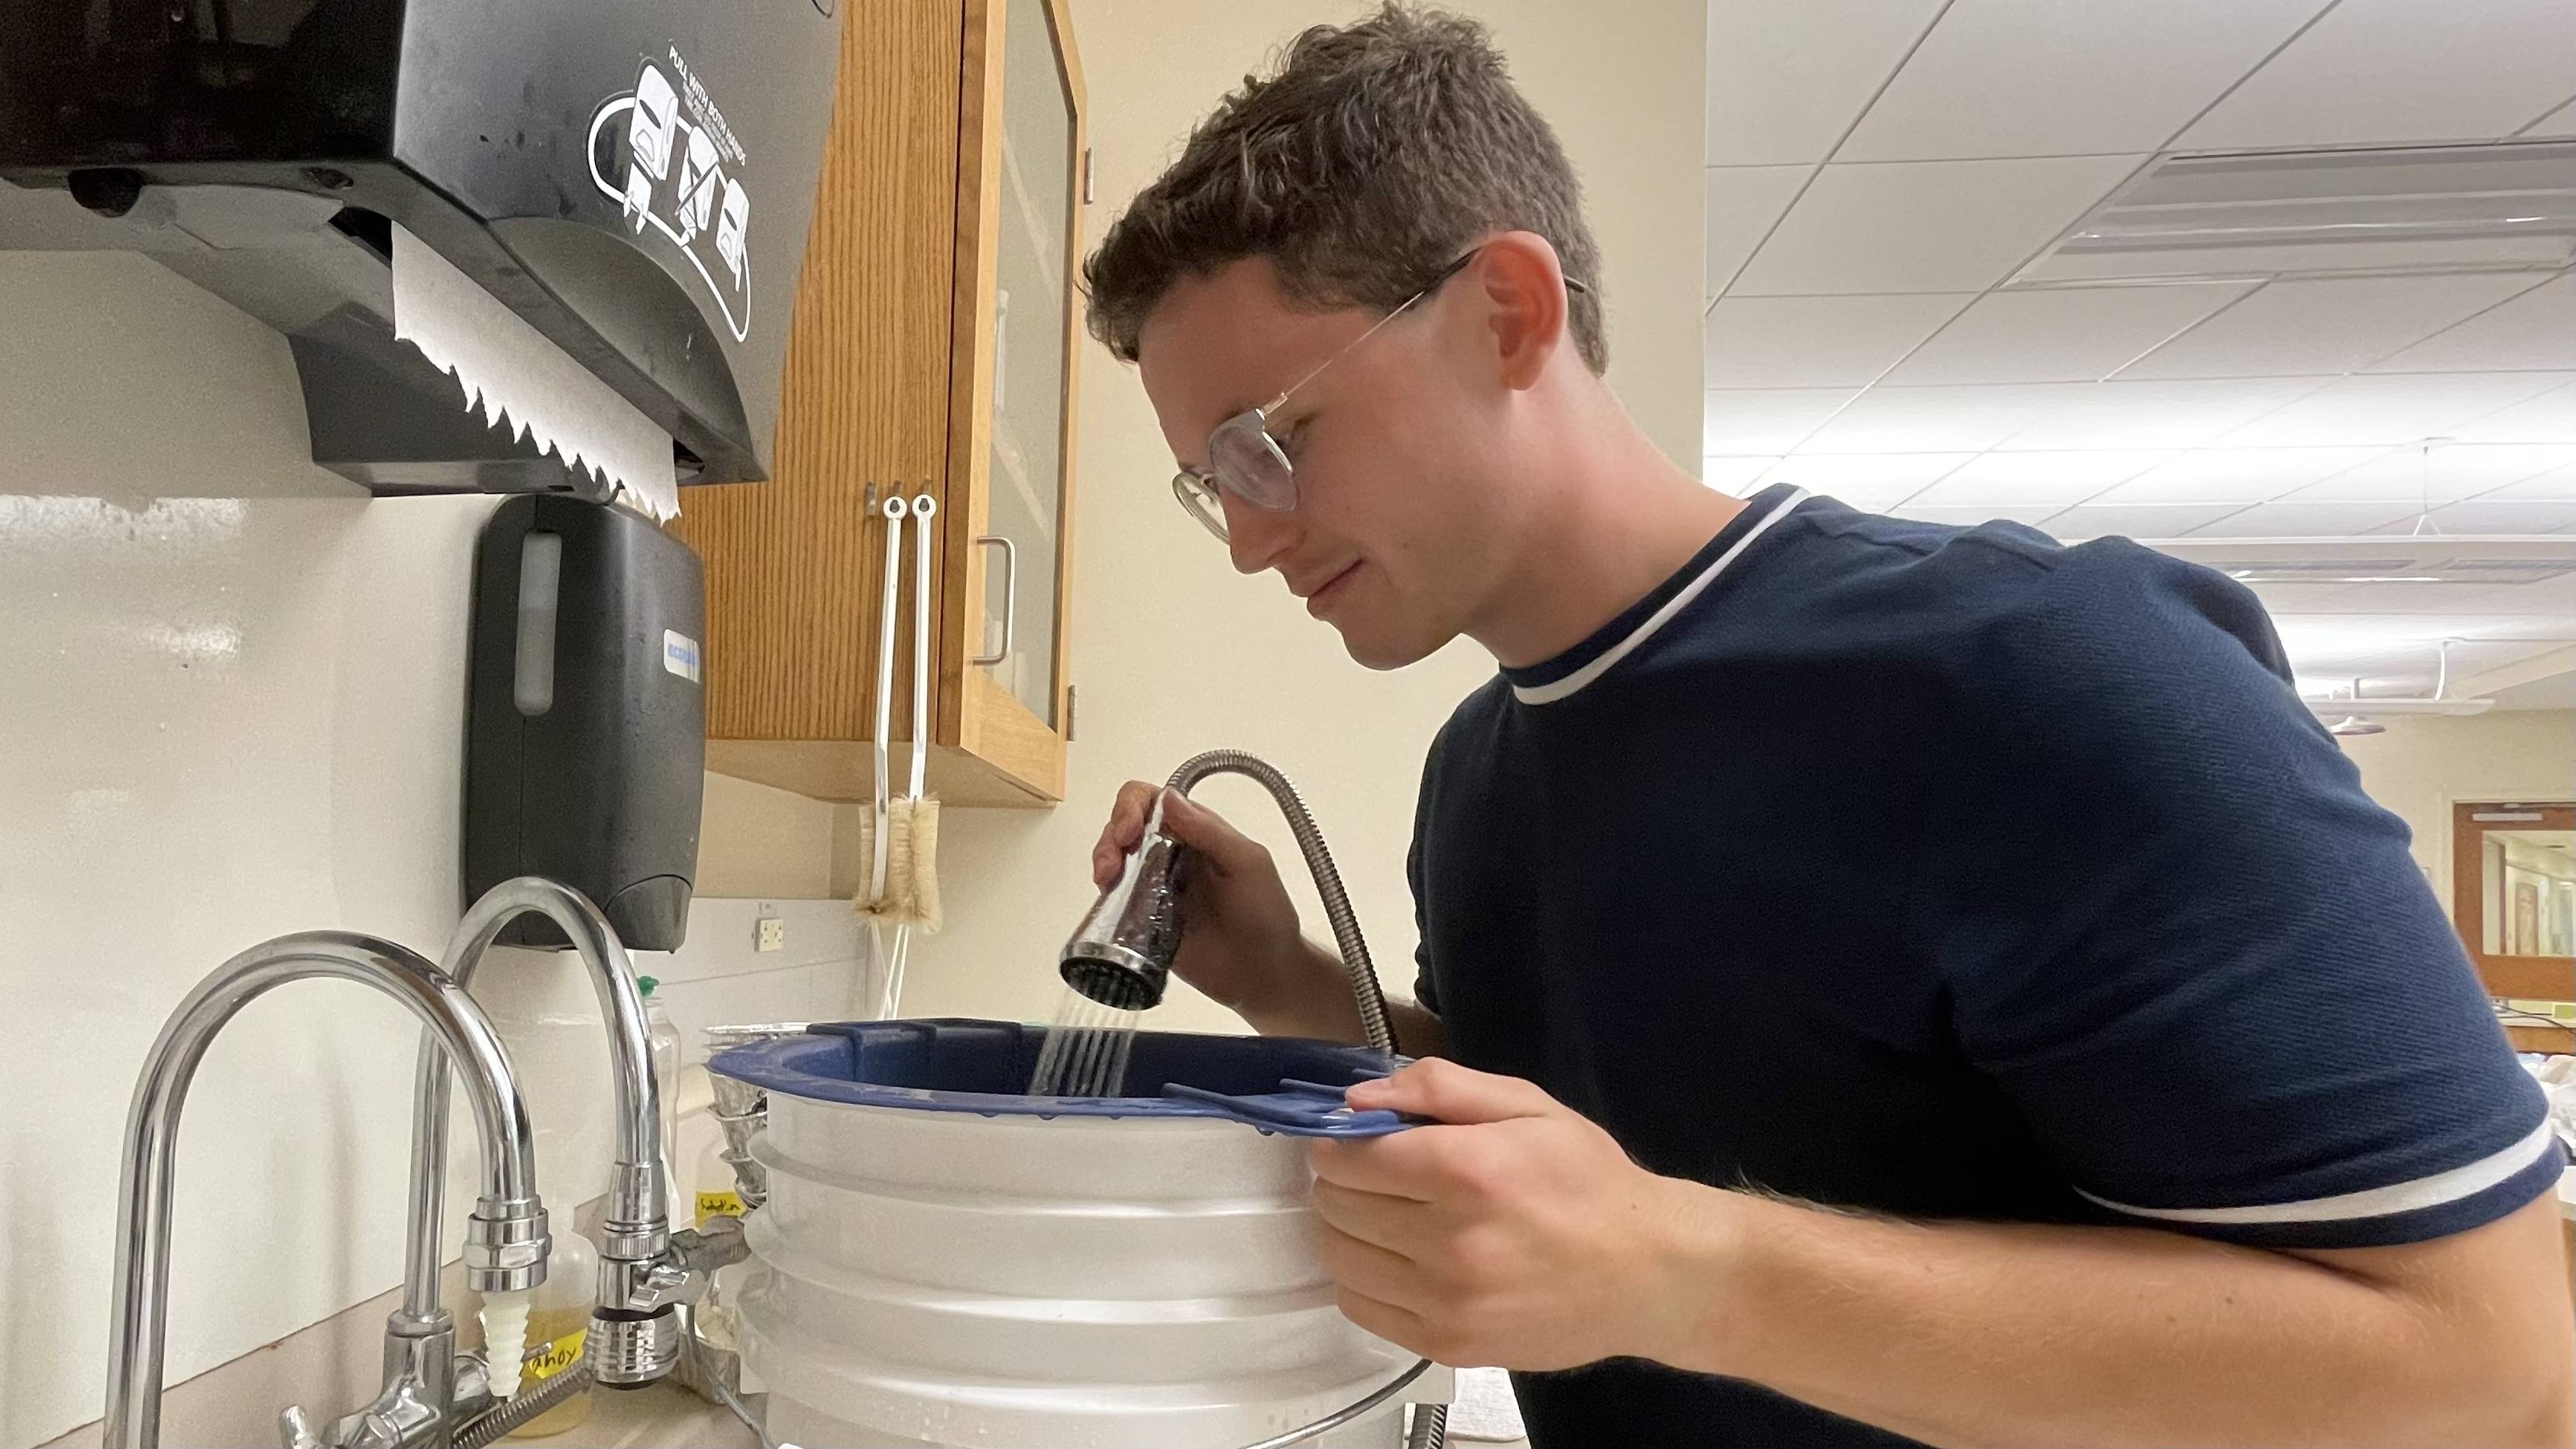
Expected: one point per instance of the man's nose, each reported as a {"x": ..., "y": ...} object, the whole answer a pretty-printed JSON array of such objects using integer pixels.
[{"x": 1256, "y": 537}]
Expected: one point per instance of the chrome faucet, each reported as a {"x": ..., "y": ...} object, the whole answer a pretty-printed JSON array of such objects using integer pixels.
[
  {"x": 506, "y": 1241},
  {"x": 634, "y": 1333}
]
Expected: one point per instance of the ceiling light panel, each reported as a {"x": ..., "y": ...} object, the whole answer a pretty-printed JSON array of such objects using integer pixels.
[{"x": 2315, "y": 213}]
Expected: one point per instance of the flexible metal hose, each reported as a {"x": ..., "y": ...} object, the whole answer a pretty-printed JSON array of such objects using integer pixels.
[
  {"x": 1319, "y": 863},
  {"x": 514, "y": 1413},
  {"x": 1430, "y": 1423}
]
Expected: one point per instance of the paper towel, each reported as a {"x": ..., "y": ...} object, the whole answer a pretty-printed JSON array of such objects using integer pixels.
[{"x": 511, "y": 371}]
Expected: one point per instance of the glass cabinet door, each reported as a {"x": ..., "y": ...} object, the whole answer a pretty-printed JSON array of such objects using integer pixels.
[{"x": 1031, "y": 314}]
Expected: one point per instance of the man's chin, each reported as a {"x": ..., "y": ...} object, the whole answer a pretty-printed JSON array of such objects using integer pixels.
[{"x": 1372, "y": 650}]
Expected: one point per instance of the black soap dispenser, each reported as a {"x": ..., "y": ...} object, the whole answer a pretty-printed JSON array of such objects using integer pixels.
[{"x": 585, "y": 731}]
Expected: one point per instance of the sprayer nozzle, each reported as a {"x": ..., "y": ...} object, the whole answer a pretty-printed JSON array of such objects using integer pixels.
[
  {"x": 1121, "y": 954},
  {"x": 1127, "y": 983}
]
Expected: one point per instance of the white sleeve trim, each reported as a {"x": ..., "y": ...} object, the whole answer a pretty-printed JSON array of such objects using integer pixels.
[
  {"x": 1551, "y": 693},
  {"x": 2423, "y": 1192}
]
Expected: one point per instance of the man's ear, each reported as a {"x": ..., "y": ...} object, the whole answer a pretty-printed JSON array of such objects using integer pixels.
[{"x": 1517, "y": 277}]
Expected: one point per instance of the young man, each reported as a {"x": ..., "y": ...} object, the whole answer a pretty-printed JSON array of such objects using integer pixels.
[{"x": 1890, "y": 981}]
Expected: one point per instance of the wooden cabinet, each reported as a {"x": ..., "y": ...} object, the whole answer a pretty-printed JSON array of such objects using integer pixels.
[{"x": 933, "y": 350}]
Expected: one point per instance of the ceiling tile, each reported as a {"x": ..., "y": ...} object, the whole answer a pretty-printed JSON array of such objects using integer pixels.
[
  {"x": 2305, "y": 520},
  {"x": 2408, "y": 598},
  {"x": 2236, "y": 475},
  {"x": 2060, "y": 478},
  {"x": 2285, "y": 599},
  {"x": 1937, "y": 419},
  {"x": 2044, "y": 77},
  {"x": 2544, "y": 598},
  {"x": 1971, "y": 517},
  {"x": 1867, "y": 480},
  {"x": 2560, "y": 122},
  {"x": 2512, "y": 516},
  {"x": 1786, "y": 81},
  {"x": 2534, "y": 330},
  {"x": 1764, "y": 420},
  {"x": 2060, "y": 334},
  {"x": 1818, "y": 341},
  {"x": 2393, "y": 408},
  {"x": 2556, "y": 486},
  {"x": 1735, "y": 475},
  {"x": 2548, "y": 418},
  {"x": 2376, "y": 71},
  {"x": 1926, "y": 226},
  {"x": 1743, "y": 203},
  {"x": 2445, "y": 475},
  {"x": 2333, "y": 325},
  {"x": 2123, "y": 414},
  {"x": 2143, "y": 521},
  {"x": 2392, "y": 668}
]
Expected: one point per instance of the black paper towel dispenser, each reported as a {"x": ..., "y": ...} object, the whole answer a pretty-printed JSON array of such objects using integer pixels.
[
  {"x": 585, "y": 716},
  {"x": 631, "y": 177}
]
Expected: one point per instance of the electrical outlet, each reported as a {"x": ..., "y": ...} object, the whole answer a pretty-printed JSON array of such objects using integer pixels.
[{"x": 773, "y": 934}]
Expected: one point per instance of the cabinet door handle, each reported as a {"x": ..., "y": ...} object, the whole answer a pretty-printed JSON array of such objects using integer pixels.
[{"x": 1010, "y": 595}]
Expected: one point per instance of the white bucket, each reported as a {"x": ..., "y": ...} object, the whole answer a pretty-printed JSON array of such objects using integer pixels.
[{"x": 942, "y": 1277}]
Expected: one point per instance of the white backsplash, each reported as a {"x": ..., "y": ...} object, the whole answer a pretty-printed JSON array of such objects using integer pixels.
[{"x": 721, "y": 977}]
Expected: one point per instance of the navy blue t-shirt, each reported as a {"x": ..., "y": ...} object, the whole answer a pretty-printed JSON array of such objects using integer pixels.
[{"x": 1952, "y": 873}]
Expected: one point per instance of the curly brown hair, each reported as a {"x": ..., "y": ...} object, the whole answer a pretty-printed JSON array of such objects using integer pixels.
[{"x": 1372, "y": 156}]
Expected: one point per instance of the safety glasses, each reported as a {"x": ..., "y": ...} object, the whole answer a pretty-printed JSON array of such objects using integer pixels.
[{"x": 1244, "y": 459}]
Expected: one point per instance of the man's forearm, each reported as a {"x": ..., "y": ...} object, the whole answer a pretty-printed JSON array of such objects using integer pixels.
[
  {"x": 1320, "y": 1005},
  {"x": 1969, "y": 1333}
]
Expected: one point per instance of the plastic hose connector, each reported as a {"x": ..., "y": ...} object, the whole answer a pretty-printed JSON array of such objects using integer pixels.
[{"x": 505, "y": 1340}]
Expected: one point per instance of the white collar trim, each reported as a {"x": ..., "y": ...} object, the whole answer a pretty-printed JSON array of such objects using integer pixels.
[{"x": 1551, "y": 693}]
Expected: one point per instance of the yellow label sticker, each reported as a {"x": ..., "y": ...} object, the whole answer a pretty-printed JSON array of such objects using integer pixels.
[
  {"x": 549, "y": 1359},
  {"x": 718, "y": 1205}
]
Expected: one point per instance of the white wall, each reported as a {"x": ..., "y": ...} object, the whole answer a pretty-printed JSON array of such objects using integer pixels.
[
  {"x": 230, "y": 697},
  {"x": 1173, "y": 652},
  {"x": 2422, "y": 766}
]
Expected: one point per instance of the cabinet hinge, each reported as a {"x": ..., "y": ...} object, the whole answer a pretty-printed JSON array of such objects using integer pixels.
[
  {"x": 1086, "y": 176},
  {"x": 1068, "y": 714}
]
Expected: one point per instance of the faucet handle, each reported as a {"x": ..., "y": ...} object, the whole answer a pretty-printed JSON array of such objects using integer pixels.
[{"x": 295, "y": 1429}]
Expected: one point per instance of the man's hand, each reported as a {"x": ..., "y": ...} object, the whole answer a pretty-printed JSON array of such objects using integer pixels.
[
  {"x": 1516, "y": 1234},
  {"x": 1239, "y": 938}
]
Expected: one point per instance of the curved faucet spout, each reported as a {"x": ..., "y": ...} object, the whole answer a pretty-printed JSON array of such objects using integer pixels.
[
  {"x": 637, "y": 1215},
  {"x": 637, "y": 1226},
  {"x": 511, "y": 1234}
]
